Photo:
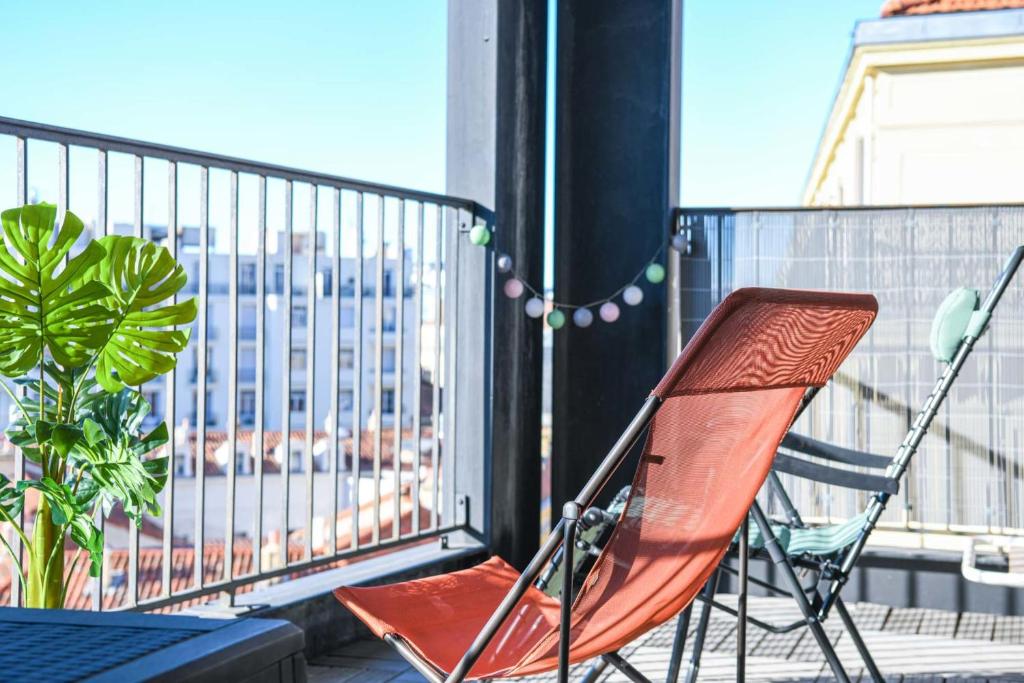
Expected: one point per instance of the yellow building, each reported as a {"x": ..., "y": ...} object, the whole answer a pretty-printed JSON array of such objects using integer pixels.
[{"x": 930, "y": 109}]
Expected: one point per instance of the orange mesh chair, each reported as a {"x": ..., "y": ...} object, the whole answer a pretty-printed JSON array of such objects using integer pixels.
[{"x": 715, "y": 421}]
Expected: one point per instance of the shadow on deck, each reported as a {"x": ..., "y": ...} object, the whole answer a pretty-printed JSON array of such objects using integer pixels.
[{"x": 908, "y": 645}]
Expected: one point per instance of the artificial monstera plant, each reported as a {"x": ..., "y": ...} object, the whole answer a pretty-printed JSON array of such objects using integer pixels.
[{"x": 78, "y": 336}]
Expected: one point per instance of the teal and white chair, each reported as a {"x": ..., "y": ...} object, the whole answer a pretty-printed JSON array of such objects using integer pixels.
[{"x": 829, "y": 553}]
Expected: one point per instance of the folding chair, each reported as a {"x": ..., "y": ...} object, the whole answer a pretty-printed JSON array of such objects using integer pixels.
[
  {"x": 715, "y": 421},
  {"x": 829, "y": 553}
]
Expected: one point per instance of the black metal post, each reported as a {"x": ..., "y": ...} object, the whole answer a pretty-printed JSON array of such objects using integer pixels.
[
  {"x": 570, "y": 516},
  {"x": 519, "y": 218},
  {"x": 862, "y": 648},
  {"x": 616, "y": 181},
  {"x": 778, "y": 557},
  {"x": 710, "y": 588},
  {"x": 741, "y": 602},
  {"x": 679, "y": 645}
]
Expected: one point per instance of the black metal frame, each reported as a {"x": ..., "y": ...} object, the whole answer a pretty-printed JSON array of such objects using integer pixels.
[{"x": 561, "y": 546}]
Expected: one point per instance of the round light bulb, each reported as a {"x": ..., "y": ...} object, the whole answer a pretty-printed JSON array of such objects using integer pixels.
[
  {"x": 632, "y": 295},
  {"x": 655, "y": 273},
  {"x": 479, "y": 235},
  {"x": 535, "y": 307},
  {"x": 582, "y": 317},
  {"x": 513, "y": 288},
  {"x": 609, "y": 312},
  {"x": 504, "y": 263},
  {"x": 556, "y": 319},
  {"x": 680, "y": 243}
]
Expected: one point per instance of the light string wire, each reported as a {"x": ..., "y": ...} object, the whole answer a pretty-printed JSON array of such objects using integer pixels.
[{"x": 614, "y": 295}]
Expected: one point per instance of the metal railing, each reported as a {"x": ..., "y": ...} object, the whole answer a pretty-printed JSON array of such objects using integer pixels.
[
  {"x": 214, "y": 541},
  {"x": 969, "y": 474}
]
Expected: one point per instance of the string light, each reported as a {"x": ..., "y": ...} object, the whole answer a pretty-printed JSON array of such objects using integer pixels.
[{"x": 582, "y": 315}]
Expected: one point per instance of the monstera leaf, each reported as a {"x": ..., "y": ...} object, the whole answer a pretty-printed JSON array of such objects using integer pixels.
[
  {"x": 44, "y": 302},
  {"x": 110, "y": 449},
  {"x": 141, "y": 276}
]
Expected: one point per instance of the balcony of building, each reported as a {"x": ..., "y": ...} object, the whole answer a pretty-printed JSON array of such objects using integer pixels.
[{"x": 365, "y": 399}]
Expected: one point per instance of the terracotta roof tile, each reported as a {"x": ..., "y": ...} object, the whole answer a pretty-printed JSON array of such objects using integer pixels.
[
  {"x": 183, "y": 558},
  {"x": 903, "y": 7}
]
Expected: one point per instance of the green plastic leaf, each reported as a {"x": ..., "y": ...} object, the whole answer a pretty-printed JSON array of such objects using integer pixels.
[
  {"x": 141, "y": 277},
  {"x": 86, "y": 536},
  {"x": 11, "y": 499},
  {"x": 112, "y": 449},
  {"x": 45, "y": 304},
  {"x": 64, "y": 438}
]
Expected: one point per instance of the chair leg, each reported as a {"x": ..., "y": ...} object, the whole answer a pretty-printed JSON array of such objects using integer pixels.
[
  {"x": 710, "y": 588},
  {"x": 862, "y": 647},
  {"x": 741, "y": 603},
  {"x": 627, "y": 669},
  {"x": 779, "y": 559},
  {"x": 570, "y": 516},
  {"x": 595, "y": 670},
  {"x": 678, "y": 645}
]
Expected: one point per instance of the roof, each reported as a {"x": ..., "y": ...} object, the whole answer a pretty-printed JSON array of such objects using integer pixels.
[
  {"x": 893, "y": 8},
  {"x": 150, "y": 559},
  {"x": 297, "y": 441}
]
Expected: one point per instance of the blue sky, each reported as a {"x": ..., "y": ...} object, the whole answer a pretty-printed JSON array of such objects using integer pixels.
[{"x": 358, "y": 88}]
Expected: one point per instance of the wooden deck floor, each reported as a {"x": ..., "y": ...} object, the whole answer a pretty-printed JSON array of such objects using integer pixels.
[{"x": 908, "y": 645}]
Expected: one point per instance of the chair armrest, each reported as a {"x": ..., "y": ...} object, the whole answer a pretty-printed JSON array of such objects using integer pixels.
[
  {"x": 833, "y": 475},
  {"x": 820, "y": 449}
]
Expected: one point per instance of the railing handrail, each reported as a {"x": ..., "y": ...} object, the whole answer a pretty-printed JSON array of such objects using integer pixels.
[
  {"x": 720, "y": 210},
  {"x": 113, "y": 143}
]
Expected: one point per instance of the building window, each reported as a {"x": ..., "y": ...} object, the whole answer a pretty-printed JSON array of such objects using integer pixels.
[
  {"x": 389, "y": 283},
  {"x": 279, "y": 278},
  {"x": 298, "y": 316},
  {"x": 346, "y": 400},
  {"x": 297, "y": 401},
  {"x": 347, "y": 359},
  {"x": 247, "y": 278},
  {"x": 348, "y": 317},
  {"x": 388, "y": 360},
  {"x": 246, "y": 364},
  {"x": 247, "y": 408},
  {"x": 387, "y": 402},
  {"x": 298, "y": 359},
  {"x": 153, "y": 399}
]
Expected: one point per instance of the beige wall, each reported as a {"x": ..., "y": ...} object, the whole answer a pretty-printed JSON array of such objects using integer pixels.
[{"x": 925, "y": 124}]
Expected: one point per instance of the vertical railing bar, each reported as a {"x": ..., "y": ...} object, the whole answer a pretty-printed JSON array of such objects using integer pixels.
[
  {"x": 333, "y": 431},
  {"x": 232, "y": 416},
  {"x": 101, "y": 229},
  {"x": 286, "y": 374},
  {"x": 357, "y": 373},
  {"x": 62, "y": 181},
  {"x": 139, "y": 184},
  {"x": 378, "y": 375},
  {"x": 396, "y": 527},
  {"x": 259, "y": 408},
  {"x": 21, "y": 176},
  {"x": 167, "y": 561},
  {"x": 133, "y": 530},
  {"x": 201, "y": 346},
  {"x": 451, "y": 339},
  {"x": 310, "y": 367},
  {"x": 435, "y": 419},
  {"x": 416, "y": 393}
]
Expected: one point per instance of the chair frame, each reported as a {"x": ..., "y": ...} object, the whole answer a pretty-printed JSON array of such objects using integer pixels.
[{"x": 561, "y": 544}]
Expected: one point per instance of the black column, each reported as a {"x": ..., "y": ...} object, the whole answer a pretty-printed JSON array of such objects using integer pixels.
[
  {"x": 496, "y": 98},
  {"x": 519, "y": 197},
  {"x": 616, "y": 180}
]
